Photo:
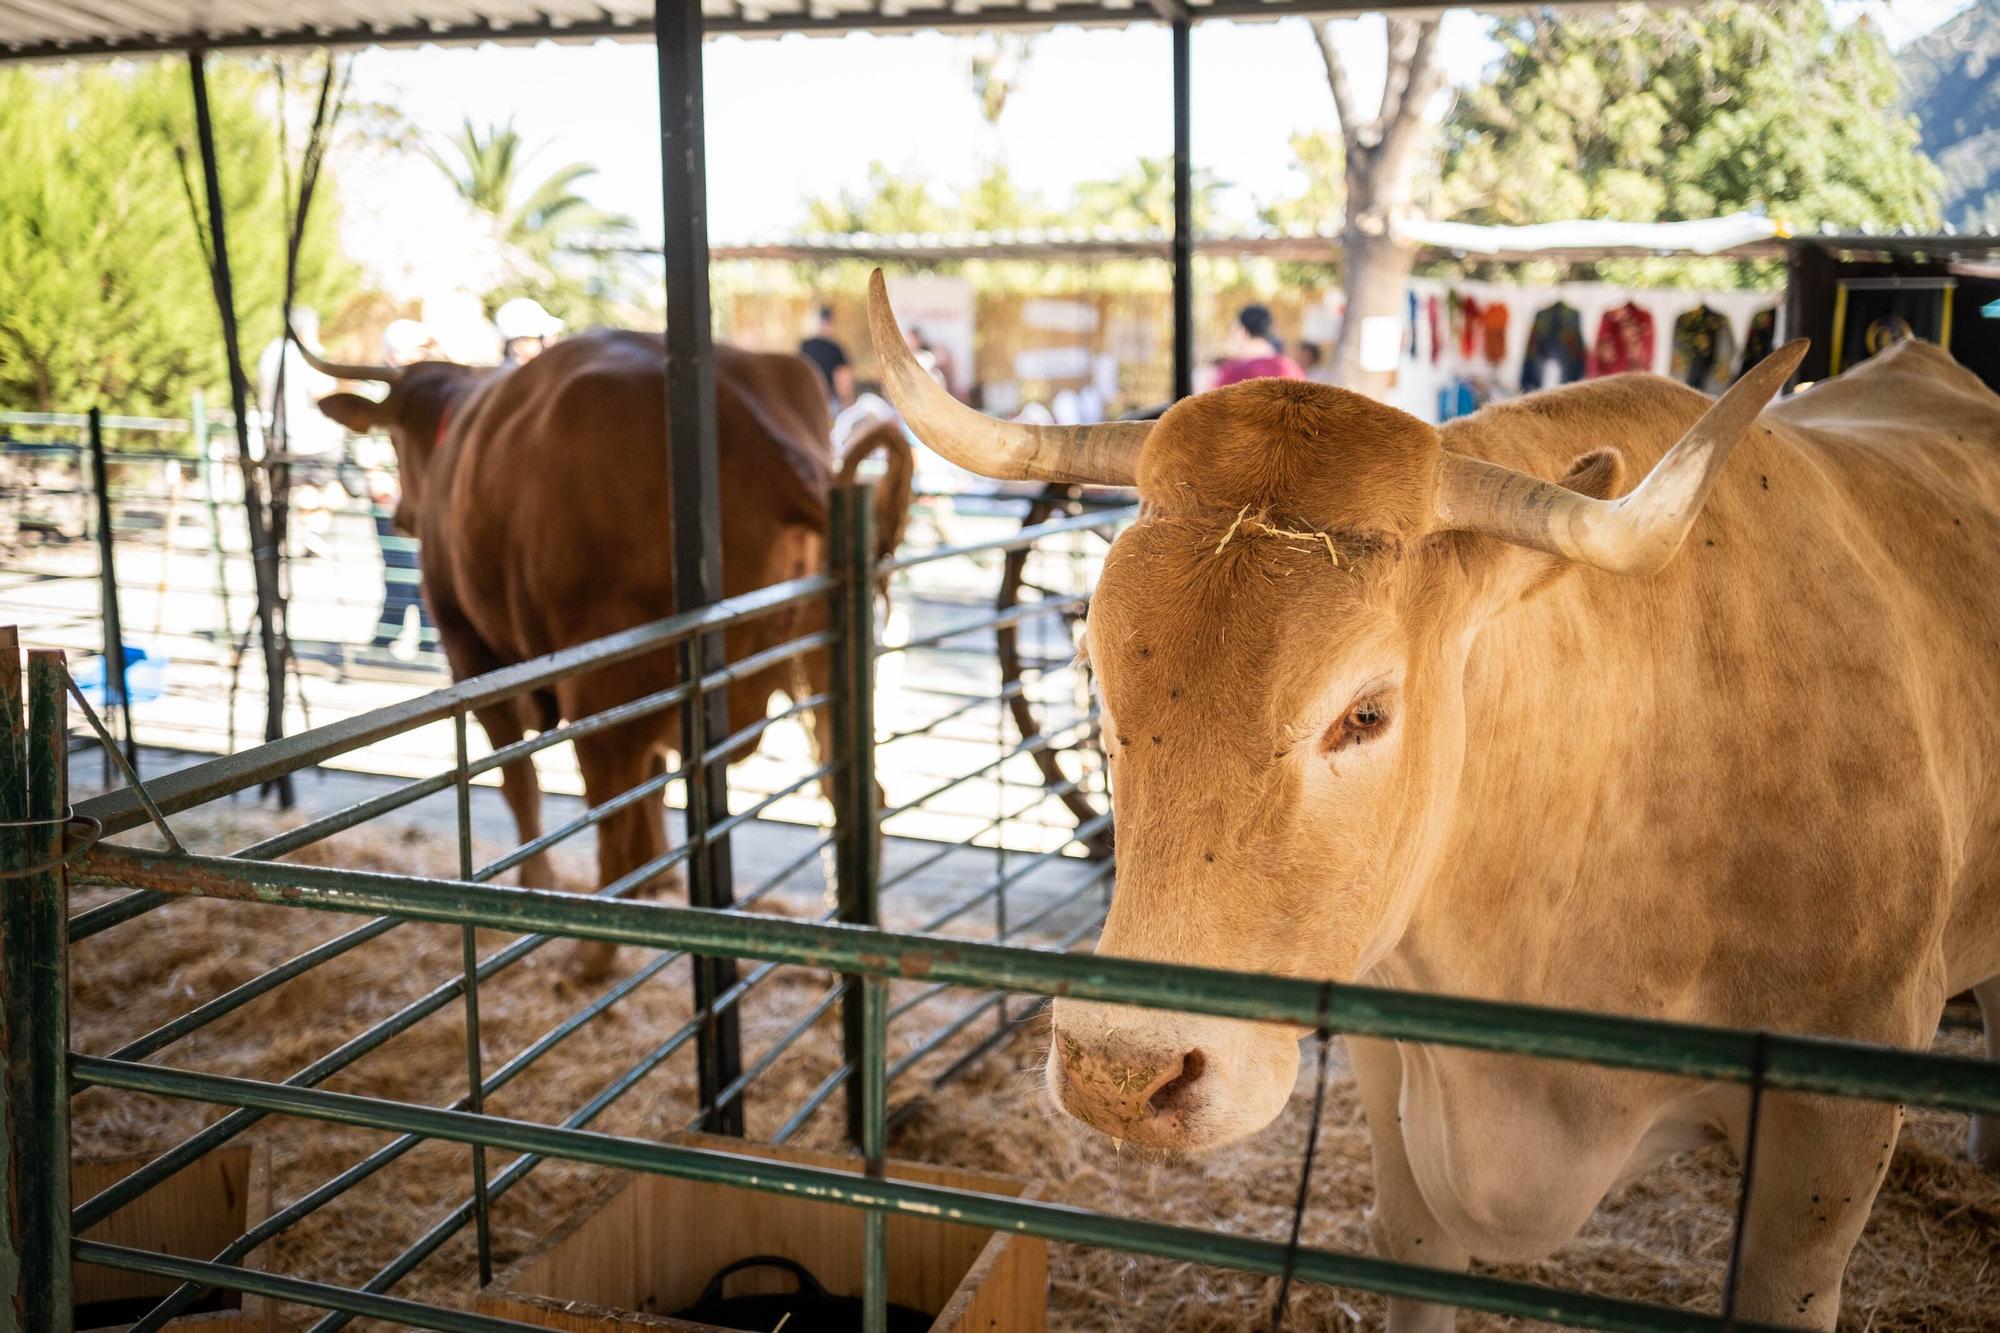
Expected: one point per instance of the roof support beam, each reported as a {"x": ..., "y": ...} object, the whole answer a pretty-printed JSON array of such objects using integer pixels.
[
  {"x": 1183, "y": 39},
  {"x": 696, "y": 510}
]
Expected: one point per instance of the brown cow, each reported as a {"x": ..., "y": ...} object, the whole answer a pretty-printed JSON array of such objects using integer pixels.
[
  {"x": 540, "y": 496},
  {"x": 1455, "y": 711}
]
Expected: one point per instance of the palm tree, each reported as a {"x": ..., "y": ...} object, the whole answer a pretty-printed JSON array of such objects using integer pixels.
[{"x": 534, "y": 223}]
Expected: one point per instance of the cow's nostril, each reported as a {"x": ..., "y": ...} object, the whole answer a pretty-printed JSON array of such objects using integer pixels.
[{"x": 1173, "y": 1094}]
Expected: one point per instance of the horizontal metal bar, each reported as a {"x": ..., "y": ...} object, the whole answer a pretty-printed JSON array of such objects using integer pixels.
[
  {"x": 1083, "y": 832},
  {"x": 120, "y": 810},
  {"x": 591, "y": 817},
  {"x": 1012, "y": 616},
  {"x": 880, "y": 1194},
  {"x": 737, "y": 740},
  {"x": 346, "y": 818},
  {"x": 1793, "y": 1063},
  {"x": 1027, "y": 745},
  {"x": 724, "y": 827},
  {"x": 813, "y": 1102},
  {"x": 1014, "y": 541},
  {"x": 796, "y": 864},
  {"x": 1016, "y": 929},
  {"x": 294, "y": 1290}
]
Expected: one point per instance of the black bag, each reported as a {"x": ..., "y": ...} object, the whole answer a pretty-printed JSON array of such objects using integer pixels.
[{"x": 812, "y": 1308}]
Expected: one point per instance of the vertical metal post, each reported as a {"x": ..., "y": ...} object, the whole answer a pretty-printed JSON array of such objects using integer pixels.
[
  {"x": 107, "y": 573},
  {"x": 263, "y": 553},
  {"x": 475, "y": 1075},
  {"x": 1183, "y": 38},
  {"x": 696, "y": 504},
  {"x": 34, "y": 994},
  {"x": 873, "y": 1076},
  {"x": 858, "y": 831}
]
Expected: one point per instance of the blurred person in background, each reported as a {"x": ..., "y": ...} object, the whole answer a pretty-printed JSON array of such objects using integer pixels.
[
  {"x": 824, "y": 351},
  {"x": 1255, "y": 351},
  {"x": 525, "y": 330}
]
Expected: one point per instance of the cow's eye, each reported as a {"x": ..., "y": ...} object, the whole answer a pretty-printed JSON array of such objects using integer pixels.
[{"x": 1362, "y": 722}]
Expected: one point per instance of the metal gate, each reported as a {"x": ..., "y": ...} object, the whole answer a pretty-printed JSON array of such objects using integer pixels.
[{"x": 49, "y": 847}]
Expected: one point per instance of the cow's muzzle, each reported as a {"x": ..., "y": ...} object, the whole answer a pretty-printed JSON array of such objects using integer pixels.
[{"x": 1171, "y": 1081}]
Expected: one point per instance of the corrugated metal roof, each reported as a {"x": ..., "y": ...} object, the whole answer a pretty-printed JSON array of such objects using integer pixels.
[{"x": 45, "y": 29}]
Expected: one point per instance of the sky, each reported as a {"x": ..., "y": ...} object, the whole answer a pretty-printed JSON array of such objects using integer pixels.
[{"x": 799, "y": 117}]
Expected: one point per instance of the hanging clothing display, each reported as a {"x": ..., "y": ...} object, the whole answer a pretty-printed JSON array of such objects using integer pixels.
[
  {"x": 1437, "y": 328},
  {"x": 1555, "y": 336},
  {"x": 1493, "y": 322},
  {"x": 1624, "y": 341},
  {"x": 1461, "y": 398},
  {"x": 1760, "y": 340},
  {"x": 1704, "y": 349},
  {"x": 1465, "y": 313}
]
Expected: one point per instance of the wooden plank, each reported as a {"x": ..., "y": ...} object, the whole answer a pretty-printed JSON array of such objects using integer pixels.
[
  {"x": 649, "y": 1244},
  {"x": 194, "y": 1213}
]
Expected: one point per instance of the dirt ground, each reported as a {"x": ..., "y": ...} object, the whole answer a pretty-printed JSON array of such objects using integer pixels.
[{"x": 1929, "y": 1260}]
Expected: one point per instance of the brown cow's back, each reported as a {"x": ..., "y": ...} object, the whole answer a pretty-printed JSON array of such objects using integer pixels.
[{"x": 550, "y": 520}]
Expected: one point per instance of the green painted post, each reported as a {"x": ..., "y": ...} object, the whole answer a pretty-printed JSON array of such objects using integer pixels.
[
  {"x": 857, "y": 849},
  {"x": 34, "y": 991},
  {"x": 874, "y": 1081},
  {"x": 475, "y": 1097}
]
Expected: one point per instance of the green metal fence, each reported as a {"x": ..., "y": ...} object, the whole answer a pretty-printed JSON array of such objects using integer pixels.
[{"x": 49, "y": 848}]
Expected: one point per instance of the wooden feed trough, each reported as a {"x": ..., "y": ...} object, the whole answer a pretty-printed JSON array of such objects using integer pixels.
[
  {"x": 650, "y": 1244},
  {"x": 193, "y": 1214}
]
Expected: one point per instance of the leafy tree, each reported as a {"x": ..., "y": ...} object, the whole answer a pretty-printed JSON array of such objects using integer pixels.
[
  {"x": 104, "y": 293},
  {"x": 1383, "y": 155},
  {"x": 536, "y": 225},
  {"x": 1142, "y": 198},
  {"x": 889, "y": 204},
  {"x": 1645, "y": 114}
]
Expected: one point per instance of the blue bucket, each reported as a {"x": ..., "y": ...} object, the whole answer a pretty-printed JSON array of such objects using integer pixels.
[{"x": 145, "y": 677}]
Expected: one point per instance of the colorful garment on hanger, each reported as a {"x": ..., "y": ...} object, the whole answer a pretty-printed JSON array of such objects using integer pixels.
[
  {"x": 1464, "y": 323},
  {"x": 1624, "y": 341},
  {"x": 1437, "y": 327},
  {"x": 1493, "y": 325},
  {"x": 1416, "y": 353},
  {"x": 1704, "y": 349},
  {"x": 1459, "y": 398},
  {"x": 1761, "y": 338},
  {"x": 1556, "y": 335}
]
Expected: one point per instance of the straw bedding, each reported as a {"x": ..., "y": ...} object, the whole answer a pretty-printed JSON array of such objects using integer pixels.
[{"x": 1929, "y": 1260}]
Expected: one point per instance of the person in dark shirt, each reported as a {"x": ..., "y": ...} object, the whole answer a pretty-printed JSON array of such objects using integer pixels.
[{"x": 823, "y": 351}]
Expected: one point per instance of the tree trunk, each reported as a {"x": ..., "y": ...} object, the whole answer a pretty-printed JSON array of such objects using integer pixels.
[
  {"x": 1376, "y": 271},
  {"x": 1384, "y": 153}
]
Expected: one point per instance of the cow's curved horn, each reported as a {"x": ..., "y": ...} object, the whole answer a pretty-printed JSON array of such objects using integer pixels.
[
  {"x": 341, "y": 371},
  {"x": 1635, "y": 534},
  {"x": 1100, "y": 455}
]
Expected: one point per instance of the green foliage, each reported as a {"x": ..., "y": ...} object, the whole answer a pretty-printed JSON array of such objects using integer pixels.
[
  {"x": 105, "y": 297},
  {"x": 889, "y": 204},
  {"x": 541, "y": 226},
  {"x": 1645, "y": 114}
]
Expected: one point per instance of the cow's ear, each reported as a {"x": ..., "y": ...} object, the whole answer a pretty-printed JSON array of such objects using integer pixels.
[
  {"x": 358, "y": 414},
  {"x": 1512, "y": 573}
]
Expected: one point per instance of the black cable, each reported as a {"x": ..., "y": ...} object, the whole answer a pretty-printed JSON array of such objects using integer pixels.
[{"x": 1306, "y": 1167}]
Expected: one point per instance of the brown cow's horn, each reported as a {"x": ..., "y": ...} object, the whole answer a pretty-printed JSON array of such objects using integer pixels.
[
  {"x": 1637, "y": 533},
  {"x": 338, "y": 370},
  {"x": 1101, "y": 455}
]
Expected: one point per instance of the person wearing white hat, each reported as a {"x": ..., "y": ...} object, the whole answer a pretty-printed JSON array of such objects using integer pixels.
[{"x": 526, "y": 329}]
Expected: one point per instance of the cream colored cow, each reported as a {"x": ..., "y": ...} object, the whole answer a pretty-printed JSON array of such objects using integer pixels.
[{"x": 1387, "y": 703}]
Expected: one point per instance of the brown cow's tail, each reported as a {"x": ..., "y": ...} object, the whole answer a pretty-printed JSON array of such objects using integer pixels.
[{"x": 894, "y": 489}]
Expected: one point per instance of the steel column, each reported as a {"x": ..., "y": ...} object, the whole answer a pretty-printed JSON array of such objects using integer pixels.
[
  {"x": 696, "y": 513},
  {"x": 858, "y": 832},
  {"x": 1183, "y": 36},
  {"x": 34, "y": 994},
  {"x": 263, "y": 555},
  {"x": 107, "y": 572}
]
